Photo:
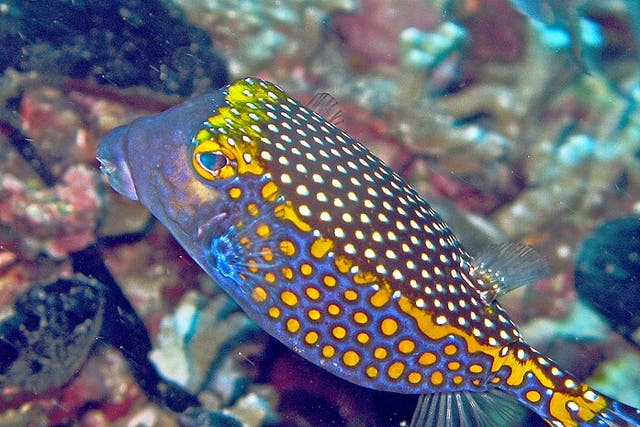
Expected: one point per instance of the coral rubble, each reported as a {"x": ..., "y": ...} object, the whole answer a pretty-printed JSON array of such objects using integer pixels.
[{"x": 526, "y": 124}]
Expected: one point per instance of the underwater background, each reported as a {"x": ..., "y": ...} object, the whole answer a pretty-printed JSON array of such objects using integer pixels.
[{"x": 517, "y": 120}]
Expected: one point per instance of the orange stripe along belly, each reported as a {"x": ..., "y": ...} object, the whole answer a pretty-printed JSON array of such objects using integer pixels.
[{"x": 340, "y": 259}]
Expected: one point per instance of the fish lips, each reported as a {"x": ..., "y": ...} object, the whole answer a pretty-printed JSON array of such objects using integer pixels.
[{"x": 114, "y": 163}]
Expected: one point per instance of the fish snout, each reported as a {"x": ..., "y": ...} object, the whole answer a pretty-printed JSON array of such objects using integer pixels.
[{"x": 113, "y": 162}]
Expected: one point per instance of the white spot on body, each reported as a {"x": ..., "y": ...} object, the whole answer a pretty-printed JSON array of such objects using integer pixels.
[
  {"x": 304, "y": 210},
  {"x": 285, "y": 178}
]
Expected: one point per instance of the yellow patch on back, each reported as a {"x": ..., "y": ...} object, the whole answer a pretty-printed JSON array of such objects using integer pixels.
[{"x": 235, "y": 130}]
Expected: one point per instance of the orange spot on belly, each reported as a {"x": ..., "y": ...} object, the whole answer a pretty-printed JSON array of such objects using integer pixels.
[
  {"x": 395, "y": 370},
  {"x": 427, "y": 359},
  {"x": 437, "y": 378}
]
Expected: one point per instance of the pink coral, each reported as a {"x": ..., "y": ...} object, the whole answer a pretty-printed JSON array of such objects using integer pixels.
[
  {"x": 56, "y": 221},
  {"x": 371, "y": 34}
]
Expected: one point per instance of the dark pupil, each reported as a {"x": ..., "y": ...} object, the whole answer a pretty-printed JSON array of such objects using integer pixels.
[{"x": 212, "y": 161}]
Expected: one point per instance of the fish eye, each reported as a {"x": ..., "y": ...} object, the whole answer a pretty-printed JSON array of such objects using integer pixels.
[{"x": 211, "y": 161}]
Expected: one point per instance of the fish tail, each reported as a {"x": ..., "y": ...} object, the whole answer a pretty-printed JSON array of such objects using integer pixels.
[
  {"x": 555, "y": 395},
  {"x": 591, "y": 408},
  {"x": 617, "y": 414}
]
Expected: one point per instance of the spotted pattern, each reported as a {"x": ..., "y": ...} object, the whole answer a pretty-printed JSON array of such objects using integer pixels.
[{"x": 340, "y": 259}]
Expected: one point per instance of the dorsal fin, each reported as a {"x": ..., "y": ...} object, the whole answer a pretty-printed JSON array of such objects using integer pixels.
[
  {"x": 326, "y": 106},
  {"x": 508, "y": 266},
  {"x": 494, "y": 408}
]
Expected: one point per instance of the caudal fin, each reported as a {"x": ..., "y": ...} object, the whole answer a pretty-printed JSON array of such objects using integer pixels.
[
  {"x": 616, "y": 414},
  {"x": 557, "y": 396}
]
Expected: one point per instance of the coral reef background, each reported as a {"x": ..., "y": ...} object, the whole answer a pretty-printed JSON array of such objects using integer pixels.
[{"x": 518, "y": 120}]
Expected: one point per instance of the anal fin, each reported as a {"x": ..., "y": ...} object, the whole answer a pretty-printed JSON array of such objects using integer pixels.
[{"x": 493, "y": 408}]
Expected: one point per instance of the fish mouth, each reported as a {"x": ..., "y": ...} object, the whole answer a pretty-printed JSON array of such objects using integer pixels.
[
  {"x": 114, "y": 163},
  {"x": 106, "y": 167}
]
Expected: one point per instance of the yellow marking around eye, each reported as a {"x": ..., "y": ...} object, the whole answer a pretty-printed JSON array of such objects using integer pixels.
[
  {"x": 351, "y": 358},
  {"x": 209, "y": 146},
  {"x": 287, "y": 212},
  {"x": 289, "y": 298},
  {"x": 287, "y": 247},
  {"x": 259, "y": 294},
  {"x": 231, "y": 124},
  {"x": 293, "y": 325},
  {"x": 321, "y": 247},
  {"x": 203, "y": 135},
  {"x": 389, "y": 326},
  {"x": 395, "y": 370}
]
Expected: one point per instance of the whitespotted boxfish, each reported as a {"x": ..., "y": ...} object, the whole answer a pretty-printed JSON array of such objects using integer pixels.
[{"x": 336, "y": 256}]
